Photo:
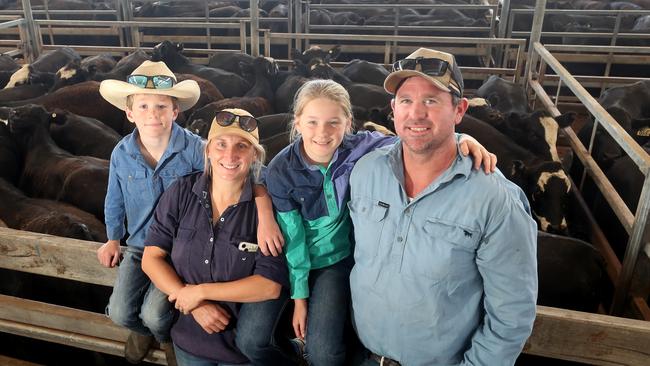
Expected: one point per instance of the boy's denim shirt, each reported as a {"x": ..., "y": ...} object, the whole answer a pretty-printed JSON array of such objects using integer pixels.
[{"x": 134, "y": 187}]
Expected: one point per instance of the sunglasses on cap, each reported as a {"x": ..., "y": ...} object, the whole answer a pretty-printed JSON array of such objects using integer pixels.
[
  {"x": 428, "y": 66},
  {"x": 158, "y": 81},
  {"x": 246, "y": 123}
]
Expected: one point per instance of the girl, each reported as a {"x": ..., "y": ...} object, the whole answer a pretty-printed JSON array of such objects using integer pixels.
[{"x": 308, "y": 184}]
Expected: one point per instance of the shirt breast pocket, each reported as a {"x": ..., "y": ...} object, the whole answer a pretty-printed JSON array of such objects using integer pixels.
[
  {"x": 369, "y": 217},
  {"x": 455, "y": 244},
  {"x": 182, "y": 247},
  {"x": 137, "y": 184},
  {"x": 310, "y": 202},
  {"x": 170, "y": 175}
]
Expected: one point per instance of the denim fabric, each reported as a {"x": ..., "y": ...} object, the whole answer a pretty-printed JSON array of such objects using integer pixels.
[
  {"x": 256, "y": 331},
  {"x": 187, "y": 359},
  {"x": 326, "y": 314},
  {"x": 136, "y": 303},
  {"x": 447, "y": 277},
  {"x": 134, "y": 187}
]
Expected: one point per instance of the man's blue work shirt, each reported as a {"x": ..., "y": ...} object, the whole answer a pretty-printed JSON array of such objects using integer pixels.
[
  {"x": 134, "y": 187},
  {"x": 448, "y": 277}
]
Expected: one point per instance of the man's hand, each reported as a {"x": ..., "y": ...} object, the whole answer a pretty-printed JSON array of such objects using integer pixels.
[
  {"x": 211, "y": 317},
  {"x": 109, "y": 253},
  {"x": 480, "y": 155},
  {"x": 187, "y": 298},
  {"x": 300, "y": 318}
]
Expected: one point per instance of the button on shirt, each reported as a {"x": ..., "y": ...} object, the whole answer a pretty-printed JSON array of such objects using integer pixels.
[
  {"x": 447, "y": 278},
  {"x": 134, "y": 187},
  {"x": 311, "y": 204},
  {"x": 203, "y": 252}
]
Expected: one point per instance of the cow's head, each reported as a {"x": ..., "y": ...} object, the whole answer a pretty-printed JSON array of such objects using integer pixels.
[
  {"x": 547, "y": 187},
  {"x": 166, "y": 51},
  {"x": 199, "y": 127},
  {"x": 20, "y": 76},
  {"x": 321, "y": 69},
  {"x": 70, "y": 74},
  {"x": 538, "y": 131},
  {"x": 317, "y": 52},
  {"x": 482, "y": 109},
  {"x": 28, "y": 121}
]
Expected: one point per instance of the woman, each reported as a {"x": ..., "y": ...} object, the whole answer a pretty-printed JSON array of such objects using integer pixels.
[{"x": 206, "y": 225}]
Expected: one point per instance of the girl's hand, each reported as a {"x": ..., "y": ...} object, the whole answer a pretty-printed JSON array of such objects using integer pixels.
[
  {"x": 269, "y": 237},
  {"x": 300, "y": 318},
  {"x": 469, "y": 145},
  {"x": 187, "y": 298},
  {"x": 211, "y": 317}
]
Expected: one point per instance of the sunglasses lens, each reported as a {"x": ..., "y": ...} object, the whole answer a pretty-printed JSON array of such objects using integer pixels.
[
  {"x": 433, "y": 66},
  {"x": 162, "y": 82},
  {"x": 248, "y": 124},
  {"x": 138, "y": 80},
  {"x": 225, "y": 118}
]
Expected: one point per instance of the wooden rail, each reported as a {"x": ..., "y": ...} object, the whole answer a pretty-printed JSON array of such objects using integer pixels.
[{"x": 558, "y": 333}]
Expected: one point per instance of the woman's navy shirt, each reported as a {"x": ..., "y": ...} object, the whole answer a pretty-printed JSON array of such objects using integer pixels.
[{"x": 205, "y": 252}]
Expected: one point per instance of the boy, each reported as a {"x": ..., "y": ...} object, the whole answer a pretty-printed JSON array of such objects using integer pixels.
[{"x": 143, "y": 165}]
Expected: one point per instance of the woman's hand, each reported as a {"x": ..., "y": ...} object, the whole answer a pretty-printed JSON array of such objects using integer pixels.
[
  {"x": 269, "y": 237},
  {"x": 469, "y": 145},
  {"x": 300, "y": 318},
  {"x": 211, "y": 317},
  {"x": 187, "y": 298}
]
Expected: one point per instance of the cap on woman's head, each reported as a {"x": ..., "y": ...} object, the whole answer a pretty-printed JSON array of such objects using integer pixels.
[
  {"x": 233, "y": 127},
  {"x": 151, "y": 78}
]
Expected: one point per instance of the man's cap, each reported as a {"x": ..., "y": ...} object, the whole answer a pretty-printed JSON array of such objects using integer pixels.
[
  {"x": 451, "y": 81},
  {"x": 115, "y": 91}
]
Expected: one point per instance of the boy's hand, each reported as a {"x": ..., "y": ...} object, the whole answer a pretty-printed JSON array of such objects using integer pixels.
[
  {"x": 109, "y": 253},
  {"x": 480, "y": 155},
  {"x": 211, "y": 317},
  {"x": 300, "y": 318},
  {"x": 269, "y": 237}
]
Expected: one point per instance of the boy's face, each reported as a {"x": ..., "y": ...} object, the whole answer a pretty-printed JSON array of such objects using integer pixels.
[{"x": 152, "y": 114}]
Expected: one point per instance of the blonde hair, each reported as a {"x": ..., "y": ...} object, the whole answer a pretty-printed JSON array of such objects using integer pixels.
[
  {"x": 129, "y": 101},
  {"x": 256, "y": 167},
  {"x": 314, "y": 89}
]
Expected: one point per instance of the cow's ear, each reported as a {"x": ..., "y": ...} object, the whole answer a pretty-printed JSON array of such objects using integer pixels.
[
  {"x": 179, "y": 47},
  {"x": 295, "y": 54},
  {"x": 334, "y": 52},
  {"x": 565, "y": 119}
]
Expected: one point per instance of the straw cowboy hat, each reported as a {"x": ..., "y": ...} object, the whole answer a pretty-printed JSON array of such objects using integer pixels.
[{"x": 115, "y": 91}]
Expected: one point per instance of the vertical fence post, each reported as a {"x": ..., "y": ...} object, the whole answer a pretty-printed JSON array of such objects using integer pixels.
[
  {"x": 255, "y": 26},
  {"x": 31, "y": 44},
  {"x": 535, "y": 35}
]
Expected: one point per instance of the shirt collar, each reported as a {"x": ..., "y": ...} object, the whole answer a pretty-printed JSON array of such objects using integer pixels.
[
  {"x": 176, "y": 142},
  {"x": 201, "y": 189},
  {"x": 462, "y": 165},
  {"x": 298, "y": 162}
]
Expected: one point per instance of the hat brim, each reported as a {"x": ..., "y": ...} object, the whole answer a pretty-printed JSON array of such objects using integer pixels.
[
  {"x": 393, "y": 80},
  {"x": 115, "y": 92}
]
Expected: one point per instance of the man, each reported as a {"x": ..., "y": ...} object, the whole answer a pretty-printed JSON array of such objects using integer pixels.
[{"x": 446, "y": 270}]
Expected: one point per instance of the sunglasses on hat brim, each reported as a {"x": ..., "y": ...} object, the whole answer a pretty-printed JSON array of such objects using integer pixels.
[
  {"x": 428, "y": 66},
  {"x": 157, "y": 81},
  {"x": 246, "y": 123}
]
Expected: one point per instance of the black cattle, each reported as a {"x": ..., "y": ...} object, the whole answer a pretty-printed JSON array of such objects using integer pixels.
[
  {"x": 51, "y": 172},
  {"x": 10, "y": 160},
  {"x": 22, "y": 92},
  {"x": 47, "y": 216},
  {"x": 361, "y": 71},
  {"x": 254, "y": 105},
  {"x": 230, "y": 61},
  {"x": 209, "y": 94},
  {"x": 571, "y": 273},
  {"x": 230, "y": 84},
  {"x": 224, "y": 11},
  {"x": 48, "y": 63},
  {"x": 99, "y": 63},
  {"x": 629, "y": 105},
  {"x": 275, "y": 132},
  {"x": 316, "y": 52},
  {"x": 264, "y": 69},
  {"x": 503, "y": 95},
  {"x": 83, "y": 99},
  {"x": 545, "y": 183},
  {"x": 82, "y": 136},
  {"x": 287, "y": 90}
]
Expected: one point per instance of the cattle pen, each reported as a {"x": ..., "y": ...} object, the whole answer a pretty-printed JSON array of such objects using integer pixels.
[{"x": 620, "y": 338}]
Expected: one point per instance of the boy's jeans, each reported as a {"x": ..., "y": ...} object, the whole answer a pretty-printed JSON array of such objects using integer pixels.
[{"x": 136, "y": 303}]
